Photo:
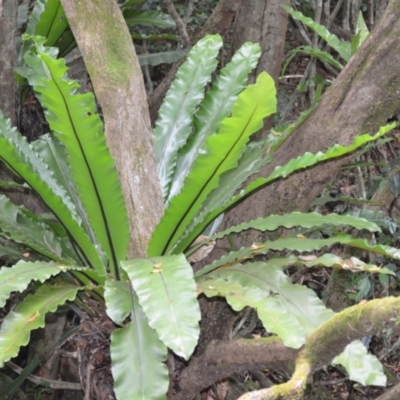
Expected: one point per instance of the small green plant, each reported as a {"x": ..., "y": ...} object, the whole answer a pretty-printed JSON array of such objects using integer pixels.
[
  {"x": 204, "y": 157},
  {"x": 343, "y": 48}
]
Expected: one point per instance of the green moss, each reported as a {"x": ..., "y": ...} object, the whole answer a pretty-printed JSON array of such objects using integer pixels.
[{"x": 116, "y": 59}]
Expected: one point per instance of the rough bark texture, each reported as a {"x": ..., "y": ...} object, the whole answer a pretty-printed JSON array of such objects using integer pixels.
[
  {"x": 223, "y": 358},
  {"x": 268, "y": 27},
  {"x": 106, "y": 46},
  {"x": 8, "y": 26},
  {"x": 221, "y": 19},
  {"x": 362, "y": 98}
]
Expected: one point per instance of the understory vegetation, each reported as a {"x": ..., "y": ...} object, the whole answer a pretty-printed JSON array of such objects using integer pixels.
[{"x": 203, "y": 312}]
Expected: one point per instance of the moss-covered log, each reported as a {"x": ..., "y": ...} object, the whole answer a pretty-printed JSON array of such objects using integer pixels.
[{"x": 223, "y": 358}]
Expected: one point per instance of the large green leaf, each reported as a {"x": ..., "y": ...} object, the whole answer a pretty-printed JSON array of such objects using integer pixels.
[
  {"x": 175, "y": 117},
  {"x": 34, "y": 17},
  {"x": 19, "y": 227},
  {"x": 305, "y": 220},
  {"x": 298, "y": 300},
  {"x": 309, "y": 159},
  {"x": 54, "y": 155},
  {"x": 219, "y": 154},
  {"x": 18, "y": 277},
  {"x": 161, "y": 283},
  {"x": 362, "y": 367},
  {"x": 137, "y": 354},
  {"x": 29, "y": 315},
  {"x": 291, "y": 311},
  {"x": 74, "y": 120},
  {"x": 216, "y": 106},
  {"x": 52, "y": 22},
  {"x": 144, "y": 17},
  {"x": 296, "y": 244},
  {"x": 118, "y": 297},
  {"x": 256, "y": 155},
  {"x": 48, "y": 20},
  {"x": 343, "y": 48},
  {"x": 327, "y": 260},
  {"x": 274, "y": 317},
  {"x": 18, "y": 154},
  {"x": 304, "y": 161}
]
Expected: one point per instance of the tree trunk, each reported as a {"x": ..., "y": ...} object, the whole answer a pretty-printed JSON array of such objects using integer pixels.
[
  {"x": 8, "y": 32},
  {"x": 363, "y": 97},
  {"x": 107, "y": 49},
  {"x": 8, "y": 27}
]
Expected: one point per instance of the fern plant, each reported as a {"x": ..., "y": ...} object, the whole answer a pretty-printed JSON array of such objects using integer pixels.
[
  {"x": 204, "y": 157},
  {"x": 198, "y": 188},
  {"x": 345, "y": 49}
]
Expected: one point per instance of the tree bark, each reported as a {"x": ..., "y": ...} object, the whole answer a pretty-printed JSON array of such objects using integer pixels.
[
  {"x": 363, "y": 97},
  {"x": 8, "y": 27},
  {"x": 223, "y": 358},
  {"x": 107, "y": 49}
]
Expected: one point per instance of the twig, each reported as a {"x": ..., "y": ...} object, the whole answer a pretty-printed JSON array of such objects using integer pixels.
[
  {"x": 306, "y": 40},
  {"x": 370, "y": 14},
  {"x": 189, "y": 11},
  {"x": 89, "y": 369},
  {"x": 386, "y": 352},
  {"x": 334, "y": 13},
  {"x": 355, "y": 10},
  {"x": 38, "y": 380},
  {"x": 313, "y": 61},
  {"x": 335, "y": 382},
  {"x": 179, "y": 23},
  {"x": 146, "y": 73},
  {"x": 327, "y": 9},
  {"x": 281, "y": 78}
]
